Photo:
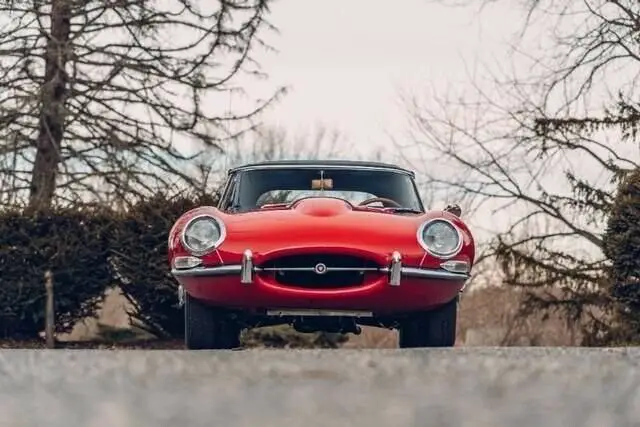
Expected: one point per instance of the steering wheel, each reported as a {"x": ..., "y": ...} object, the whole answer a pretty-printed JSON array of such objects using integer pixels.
[{"x": 382, "y": 200}]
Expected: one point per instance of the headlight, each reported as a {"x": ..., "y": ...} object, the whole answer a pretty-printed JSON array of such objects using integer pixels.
[
  {"x": 440, "y": 238},
  {"x": 202, "y": 234}
]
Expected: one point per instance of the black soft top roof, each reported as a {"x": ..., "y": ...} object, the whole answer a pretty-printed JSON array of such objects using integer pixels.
[{"x": 357, "y": 164}]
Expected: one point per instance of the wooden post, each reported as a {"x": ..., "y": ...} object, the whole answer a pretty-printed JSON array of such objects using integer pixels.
[{"x": 49, "y": 310}]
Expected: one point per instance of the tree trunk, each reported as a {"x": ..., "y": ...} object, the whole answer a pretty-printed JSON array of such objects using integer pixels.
[{"x": 52, "y": 108}]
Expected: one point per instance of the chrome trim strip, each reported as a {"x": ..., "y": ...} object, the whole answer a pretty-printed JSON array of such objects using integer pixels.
[
  {"x": 329, "y": 269},
  {"x": 323, "y": 166},
  {"x": 433, "y": 274},
  {"x": 430, "y": 273},
  {"x": 311, "y": 312},
  {"x": 225, "y": 270}
]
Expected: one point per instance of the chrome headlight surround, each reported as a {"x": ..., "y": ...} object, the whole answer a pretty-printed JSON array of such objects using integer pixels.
[
  {"x": 222, "y": 234},
  {"x": 430, "y": 250}
]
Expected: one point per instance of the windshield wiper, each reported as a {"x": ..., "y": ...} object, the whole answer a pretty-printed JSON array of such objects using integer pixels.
[
  {"x": 404, "y": 210},
  {"x": 234, "y": 208}
]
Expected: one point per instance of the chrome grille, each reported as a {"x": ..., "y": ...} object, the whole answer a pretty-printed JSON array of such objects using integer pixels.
[{"x": 319, "y": 271}]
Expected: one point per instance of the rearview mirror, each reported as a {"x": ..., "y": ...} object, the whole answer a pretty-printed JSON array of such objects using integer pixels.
[{"x": 322, "y": 184}]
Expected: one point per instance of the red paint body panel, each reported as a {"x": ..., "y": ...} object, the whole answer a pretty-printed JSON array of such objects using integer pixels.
[
  {"x": 377, "y": 295},
  {"x": 330, "y": 226}
]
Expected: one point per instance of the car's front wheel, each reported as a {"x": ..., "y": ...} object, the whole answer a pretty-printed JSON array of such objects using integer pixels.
[
  {"x": 206, "y": 329},
  {"x": 435, "y": 328}
]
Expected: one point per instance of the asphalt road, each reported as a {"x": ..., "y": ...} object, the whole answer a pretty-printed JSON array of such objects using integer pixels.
[{"x": 492, "y": 387}]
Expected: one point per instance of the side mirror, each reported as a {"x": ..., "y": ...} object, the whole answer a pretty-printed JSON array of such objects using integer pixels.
[{"x": 454, "y": 209}]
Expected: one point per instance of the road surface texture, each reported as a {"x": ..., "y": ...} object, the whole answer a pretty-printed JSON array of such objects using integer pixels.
[{"x": 479, "y": 387}]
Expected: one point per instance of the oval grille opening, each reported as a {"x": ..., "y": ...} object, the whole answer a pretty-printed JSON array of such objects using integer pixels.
[{"x": 320, "y": 271}]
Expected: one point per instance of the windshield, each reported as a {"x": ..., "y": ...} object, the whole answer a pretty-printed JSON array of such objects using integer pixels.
[{"x": 260, "y": 187}]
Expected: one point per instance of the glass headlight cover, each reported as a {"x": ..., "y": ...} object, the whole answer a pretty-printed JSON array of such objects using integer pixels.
[
  {"x": 202, "y": 234},
  {"x": 440, "y": 238}
]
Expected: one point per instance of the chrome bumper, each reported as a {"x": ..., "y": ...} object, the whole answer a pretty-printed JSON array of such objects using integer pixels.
[
  {"x": 395, "y": 270},
  {"x": 227, "y": 270}
]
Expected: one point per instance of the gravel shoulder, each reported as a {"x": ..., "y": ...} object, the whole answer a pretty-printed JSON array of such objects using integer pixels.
[{"x": 460, "y": 387}]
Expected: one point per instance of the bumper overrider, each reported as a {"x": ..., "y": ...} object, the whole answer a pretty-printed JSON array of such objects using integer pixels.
[{"x": 189, "y": 266}]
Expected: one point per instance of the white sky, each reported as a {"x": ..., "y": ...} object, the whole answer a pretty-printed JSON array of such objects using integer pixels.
[{"x": 346, "y": 60}]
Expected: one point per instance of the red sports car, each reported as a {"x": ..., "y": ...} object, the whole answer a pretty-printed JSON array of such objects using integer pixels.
[{"x": 320, "y": 245}]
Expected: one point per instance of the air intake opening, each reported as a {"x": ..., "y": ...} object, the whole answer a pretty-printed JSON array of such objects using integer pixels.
[{"x": 320, "y": 271}]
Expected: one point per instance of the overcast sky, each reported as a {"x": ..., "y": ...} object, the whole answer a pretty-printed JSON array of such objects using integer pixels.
[{"x": 347, "y": 60}]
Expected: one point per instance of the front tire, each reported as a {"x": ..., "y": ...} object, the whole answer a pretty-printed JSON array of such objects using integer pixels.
[
  {"x": 206, "y": 329},
  {"x": 435, "y": 328}
]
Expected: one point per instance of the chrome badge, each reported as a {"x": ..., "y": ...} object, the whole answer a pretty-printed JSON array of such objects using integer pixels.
[{"x": 320, "y": 268}]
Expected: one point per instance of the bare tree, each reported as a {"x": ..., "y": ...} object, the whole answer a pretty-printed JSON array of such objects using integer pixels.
[
  {"x": 538, "y": 156},
  {"x": 97, "y": 95},
  {"x": 266, "y": 142}
]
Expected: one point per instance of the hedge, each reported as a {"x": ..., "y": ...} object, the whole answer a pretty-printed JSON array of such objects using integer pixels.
[{"x": 73, "y": 246}]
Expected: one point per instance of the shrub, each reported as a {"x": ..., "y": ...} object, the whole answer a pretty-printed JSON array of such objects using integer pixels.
[
  {"x": 73, "y": 245},
  {"x": 140, "y": 261},
  {"x": 622, "y": 237},
  {"x": 622, "y": 247}
]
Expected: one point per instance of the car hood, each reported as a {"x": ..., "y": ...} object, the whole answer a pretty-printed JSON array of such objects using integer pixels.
[
  {"x": 309, "y": 215},
  {"x": 322, "y": 224}
]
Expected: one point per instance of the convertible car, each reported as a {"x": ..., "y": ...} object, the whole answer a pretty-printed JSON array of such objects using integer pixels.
[{"x": 323, "y": 246}]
